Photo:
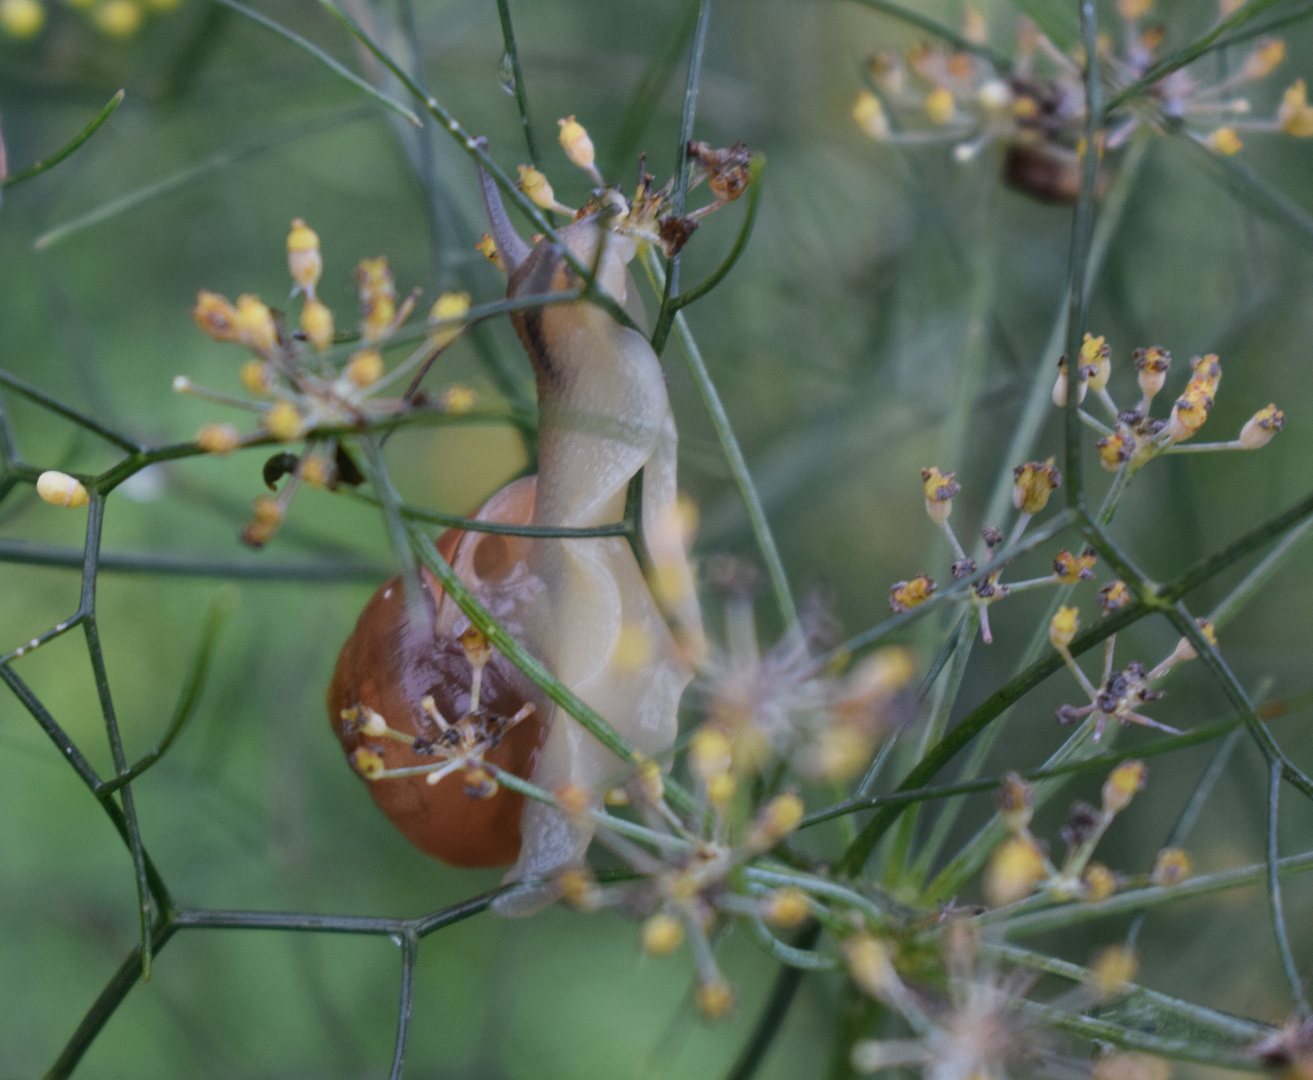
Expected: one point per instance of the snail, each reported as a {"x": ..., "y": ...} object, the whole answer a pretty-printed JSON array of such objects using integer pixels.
[{"x": 579, "y": 604}]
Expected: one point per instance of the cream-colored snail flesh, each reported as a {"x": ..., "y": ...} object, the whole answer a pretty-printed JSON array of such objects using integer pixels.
[{"x": 582, "y": 605}]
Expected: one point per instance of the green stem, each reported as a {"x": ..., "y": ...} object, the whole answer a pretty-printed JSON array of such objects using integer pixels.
[{"x": 54, "y": 159}]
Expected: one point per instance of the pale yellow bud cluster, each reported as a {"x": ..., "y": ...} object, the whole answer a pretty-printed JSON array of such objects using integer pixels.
[{"x": 1069, "y": 568}]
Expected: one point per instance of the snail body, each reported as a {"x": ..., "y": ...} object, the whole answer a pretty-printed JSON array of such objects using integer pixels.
[{"x": 580, "y": 605}]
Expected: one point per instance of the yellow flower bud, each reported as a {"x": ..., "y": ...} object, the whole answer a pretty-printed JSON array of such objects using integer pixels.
[
  {"x": 22, "y": 19},
  {"x": 1069, "y": 568},
  {"x": 1060, "y": 386},
  {"x": 579, "y": 890},
  {"x": 871, "y": 965},
  {"x": 1100, "y": 882},
  {"x": 870, "y": 117},
  {"x": 256, "y": 377},
  {"x": 1033, "y": 484},
  {"x": 1189, "y": 413},
  {"x": 365, "y": 368},
  {"x": 1113, "y": 969},
  {"x": 785, "y": 908},
  {"x": 487, "y": 247},
  {"x": 1114, "y": 596},
  {"x": 1133, "y": 9},
  {"x": 60, "y": 489},
  {"x": 721, "y": 788},
  {"x": 443, "y": 317},
  {"x": 1171, "y": 867},
  {"x": 709, "y": 753},
  {"x": 1014, "y": 870},
  {"x": 939, "y": 106},
  {"x": 317, "y": 322},
  {"x": 1117, "y": 449},
  {"x": 255, "y": 324},
  {"x": 535, "y": 185},
  {"x": 651, "y": 782},
  {"x": 315, "y": 471},
  {"x": 1122, "y": 785},
  {"x": 283, "y": 421},
  {"x": 906, "y": 595},
  {"x": 367, "y": 761},
  {"x": 1260, "y": 427},
  {"x": 1016, "y": 802},
  {"x": 218, "y": 439},
  {"x": 378, "y": 297},
  {"x": 118, "y": 18},
  {"x": 458, "y": 399},
  {"x": 714, "y": 999},
  {"x": 1185, "y": 649},
  {"x": 1295, "y": 116},
  {"x": 215, "y": 315},
  {"x": 939, "y": 491},
  {"x": 1064, "y": 626},
  {"x": 1224, "y": 141},
  {"x": 1152, "y": 364},
  {"x": 304, "y": 262},
  {"x": 575, "y": 142},
  {"x": 776, "y": 820},
  {"x": 1267, "y": 54},
  {"x": 662, "y": 934},
  {"x": 1096, "y": 357}
]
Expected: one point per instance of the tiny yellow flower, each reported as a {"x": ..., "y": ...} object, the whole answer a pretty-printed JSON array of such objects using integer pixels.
[
  {"x": 939, "y": 490},
  {"x": 1152, "y": 364},
  {"x": 776, "y": 820},
  {"x": 1133, "y": 9},
  {"x": 118, "y": 18},
  {"x": 1033, "y": 484},
  {"x": 785, "y": 908},
  {"x": 714, "y": 999},
  {"x": 662, "y": 934},
  {"x": 22, "y": 19},
  {"x": 1100, "y": 882},
  {"x": 216, "y": 316},
  {"x": 458, "y": 399},
  {"x": 539, "y": 189},
  {"x": 1113, "y": 969},
  {"x": 257, "y": 378},
  {"x": 1264, "y": 59},
  {"x": 218, "y": 439},
  {"x": 1117, "y": 449},
  {"x": 1185, "y": 649},
  {"x": 1261, "y": 427},
  {"x": 939, "y": 106},
  {"x": 709, "y": 753},
  {"x": 255, "y": 324},
  {"x": 575, "y": 142},
  {"x": 870, "y": 117},
  {"x": 906, "y": 595},
  {"x": 367, "y": 761},
  {"x": 444, "y": 317},
  {"x": 1096, "y": 357},
  {"x": 283, "y": 421},
  {"x": 1188, "y": 414},
  {"x": 1114, "y": 596},
  {"x": 1016, "y": 802},
  {"x": 1295, "y": 115},
  {"x": 1171, "y": 867},
  {"x": 1224, "y": 141},
  {"x": 579, "y": 890},
  {"x": 721, "y": 788},
  {"x": 1122, "y": 785},
  {"x": 1060, "y": 384},
  {"x": 487, "y": 247},
  {"x": 1064, "y": 626},
  {"x": 365, "y": 368},
  {"x": 317, "y": 322},
  {"x": 1069, "y": 568},
  {"x": 60, "y": 489},
  {"x": 871, "y": 964},
  {"x": 1014, "y": 870},
  {"x": 304, "y": 262},
  {"x": 378, "y": 298},
  {"x": 315, "y": 471}
]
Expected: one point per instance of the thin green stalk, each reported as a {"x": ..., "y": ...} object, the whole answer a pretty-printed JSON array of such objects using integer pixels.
[
  {"x": 521, "y": 96},
  {"x": 729, "y": 445},
  {"x": 409, "y": 956},
  {"x": 46, "y": 164},
  {"x": 1274, "y": 893},
  {"x": 40, "y": 397}
]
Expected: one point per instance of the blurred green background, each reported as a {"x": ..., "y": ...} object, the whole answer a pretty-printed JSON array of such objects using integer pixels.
[{"x": 837, "y": 344}]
